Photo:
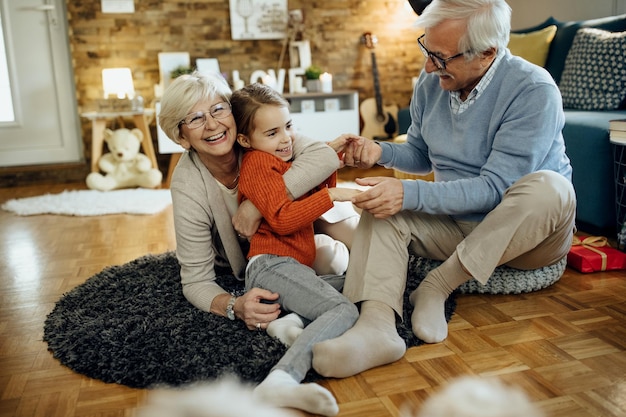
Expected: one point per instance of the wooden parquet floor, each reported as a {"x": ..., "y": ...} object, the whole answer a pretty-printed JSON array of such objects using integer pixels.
[{"x": 565, "y": 345}]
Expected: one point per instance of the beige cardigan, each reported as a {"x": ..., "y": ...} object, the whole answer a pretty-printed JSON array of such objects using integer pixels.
[{"x": 204, "y": 233}]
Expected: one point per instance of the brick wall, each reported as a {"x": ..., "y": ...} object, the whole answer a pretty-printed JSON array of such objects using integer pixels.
[{"x": 202, "y": 28}]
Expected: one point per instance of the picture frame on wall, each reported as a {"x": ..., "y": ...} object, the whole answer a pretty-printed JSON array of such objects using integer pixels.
[
  {"x": 258, "y": 19},
  {"x": 169, "y": 61}
]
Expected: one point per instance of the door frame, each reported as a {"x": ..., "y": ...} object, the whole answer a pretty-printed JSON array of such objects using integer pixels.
[{"x": 70, "y": 149}]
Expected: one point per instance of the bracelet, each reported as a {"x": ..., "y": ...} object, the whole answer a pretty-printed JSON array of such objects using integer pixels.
[{"x": 230, "y": 312}]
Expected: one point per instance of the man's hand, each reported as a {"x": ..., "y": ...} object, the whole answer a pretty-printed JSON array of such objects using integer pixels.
[
  {"x": 384, "y": 199},
  {"x": 247, "y": 219},
  {"x": 361, "y": 153}
]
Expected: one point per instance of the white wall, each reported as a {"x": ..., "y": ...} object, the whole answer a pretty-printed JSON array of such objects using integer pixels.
[{"x": 527, "y": 13}]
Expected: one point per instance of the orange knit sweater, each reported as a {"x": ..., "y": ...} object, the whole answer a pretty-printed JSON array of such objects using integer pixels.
[{"x": 287, "y": 226}]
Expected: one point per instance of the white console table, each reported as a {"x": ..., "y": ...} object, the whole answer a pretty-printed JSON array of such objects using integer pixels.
[{"x": 324, "y": 116}]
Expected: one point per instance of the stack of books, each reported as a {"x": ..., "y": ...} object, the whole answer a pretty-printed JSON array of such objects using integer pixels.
[
  {"x": 617, "y": 136},
  {"x": 617, "y": 131}
]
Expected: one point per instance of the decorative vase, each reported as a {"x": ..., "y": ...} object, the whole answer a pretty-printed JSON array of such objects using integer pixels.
[{"x": 313, "y": 86}]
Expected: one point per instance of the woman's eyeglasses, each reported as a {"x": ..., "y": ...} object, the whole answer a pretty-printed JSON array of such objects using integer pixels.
[{"x": 198, "y": 119}]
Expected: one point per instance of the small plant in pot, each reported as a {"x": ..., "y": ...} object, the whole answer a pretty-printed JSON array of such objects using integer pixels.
[
  {"x": 180, "y": 70},
  {"x": 312, "y": 75}
]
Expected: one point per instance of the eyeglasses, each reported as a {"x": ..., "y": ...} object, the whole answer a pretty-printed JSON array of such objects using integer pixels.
[
  {"x": 440, "y": 63},
  {"x": 198, "y": 119}
]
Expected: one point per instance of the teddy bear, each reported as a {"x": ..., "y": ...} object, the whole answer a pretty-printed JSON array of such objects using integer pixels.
[{"x": 124, "y": 166}]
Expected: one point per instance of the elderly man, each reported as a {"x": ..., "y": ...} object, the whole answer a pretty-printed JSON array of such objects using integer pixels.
[{"x": 488, "y": 124}]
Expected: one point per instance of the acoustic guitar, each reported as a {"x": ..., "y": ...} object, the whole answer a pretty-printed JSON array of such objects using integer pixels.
[{"x": 379, "y": 121}]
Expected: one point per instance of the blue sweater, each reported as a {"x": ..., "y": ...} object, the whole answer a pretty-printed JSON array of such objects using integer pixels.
[{"x": 513, "y": 129}]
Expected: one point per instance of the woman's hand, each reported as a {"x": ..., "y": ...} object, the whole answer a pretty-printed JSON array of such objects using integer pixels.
[
  {"x": 344, "y": 142},
  {"x": 247, "y": 219},
  {"x": 340, "y": 142},
  {"x": 253, "y": 308}
]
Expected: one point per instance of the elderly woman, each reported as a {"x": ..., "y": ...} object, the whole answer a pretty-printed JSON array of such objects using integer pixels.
[{"x": 211, "y": 229}]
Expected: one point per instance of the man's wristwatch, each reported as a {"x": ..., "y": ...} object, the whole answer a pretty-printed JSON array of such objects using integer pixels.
[{"x": 230, "y": 313}]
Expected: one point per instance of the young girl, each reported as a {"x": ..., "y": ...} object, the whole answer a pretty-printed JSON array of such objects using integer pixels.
[{"x": 283, "y": 249}]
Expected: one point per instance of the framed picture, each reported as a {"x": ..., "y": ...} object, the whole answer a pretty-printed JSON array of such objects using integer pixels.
[
  {"x": 169, "y": 61},
  {"x": 258, "y": 19},
  {"x": 208, "y": 65}
]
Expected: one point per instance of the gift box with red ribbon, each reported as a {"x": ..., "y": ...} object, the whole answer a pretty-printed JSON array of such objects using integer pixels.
[{"x": 593, "y": 254}]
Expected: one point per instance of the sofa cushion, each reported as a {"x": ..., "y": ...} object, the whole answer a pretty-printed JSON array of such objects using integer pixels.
[
  {"x": 594, "y": 77},
  {"x": 533, "y": 46},
  {"x": 565, "y": 36}
]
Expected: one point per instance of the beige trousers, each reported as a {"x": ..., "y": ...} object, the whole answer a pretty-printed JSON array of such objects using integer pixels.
[{"x": 532, "y": 227}]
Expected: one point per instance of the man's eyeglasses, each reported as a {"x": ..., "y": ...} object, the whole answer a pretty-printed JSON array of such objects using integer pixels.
[
  {"x": 440, "y": 63},
  {"x": 198, "y": 119}
]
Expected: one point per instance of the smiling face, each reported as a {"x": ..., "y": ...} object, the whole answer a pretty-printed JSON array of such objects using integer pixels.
[
  {"x": 460, "y": 74},
  {"x": 272, "y": 132},
  {"x": 213, "y": 139}
]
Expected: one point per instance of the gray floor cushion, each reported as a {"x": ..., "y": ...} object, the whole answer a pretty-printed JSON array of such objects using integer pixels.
[{"x": 506, "y": 280}]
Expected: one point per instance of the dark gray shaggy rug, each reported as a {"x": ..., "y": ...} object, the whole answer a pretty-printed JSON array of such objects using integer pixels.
[{"x": 131, "y": 325}]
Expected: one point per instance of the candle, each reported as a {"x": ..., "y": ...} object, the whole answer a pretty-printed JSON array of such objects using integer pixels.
[
  {"x": 269, "y": 81},
  {"x": 327, "y": 82},
  {"x": 297, "y": 84}
]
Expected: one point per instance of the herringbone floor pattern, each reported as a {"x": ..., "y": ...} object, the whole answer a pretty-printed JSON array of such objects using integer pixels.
[{"x": 565, "y": 345}]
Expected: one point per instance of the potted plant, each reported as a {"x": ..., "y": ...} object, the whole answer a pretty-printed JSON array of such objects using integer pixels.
[
  {"x": 312, "y": 75},
  {"x": 180, "y": 70}
]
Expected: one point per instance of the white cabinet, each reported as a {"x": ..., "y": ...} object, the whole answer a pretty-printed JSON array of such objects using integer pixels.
[{"x": 324, "y": 116}]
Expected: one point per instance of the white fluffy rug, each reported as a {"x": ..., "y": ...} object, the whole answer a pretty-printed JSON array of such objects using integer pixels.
[{"x": 92, "y": 202}]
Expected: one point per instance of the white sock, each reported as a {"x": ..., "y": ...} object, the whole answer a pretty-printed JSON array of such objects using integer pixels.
[
  {"x": 286, "y": 329},
  {"x": 428, "y": 319},
  {"x": 373, "y": 341},
  {"x": 280, "y": 389}
]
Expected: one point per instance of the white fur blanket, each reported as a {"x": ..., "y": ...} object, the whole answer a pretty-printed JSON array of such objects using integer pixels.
[{"x": 92, "y": 202}]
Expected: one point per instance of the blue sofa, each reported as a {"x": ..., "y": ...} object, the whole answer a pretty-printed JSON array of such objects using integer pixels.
[{"x": 586, "y": 134}]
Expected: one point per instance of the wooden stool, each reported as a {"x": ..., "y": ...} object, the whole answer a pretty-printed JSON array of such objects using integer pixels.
[{"x": 98, "y": 125}]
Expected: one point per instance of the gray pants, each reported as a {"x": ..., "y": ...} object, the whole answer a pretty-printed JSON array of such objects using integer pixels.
[
  {"x": 532, "y": 227},
  {"x": 317, "y": 299}
]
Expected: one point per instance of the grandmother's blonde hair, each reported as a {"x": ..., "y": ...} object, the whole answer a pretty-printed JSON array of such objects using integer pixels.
[{"x": 183, "y": 94}]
